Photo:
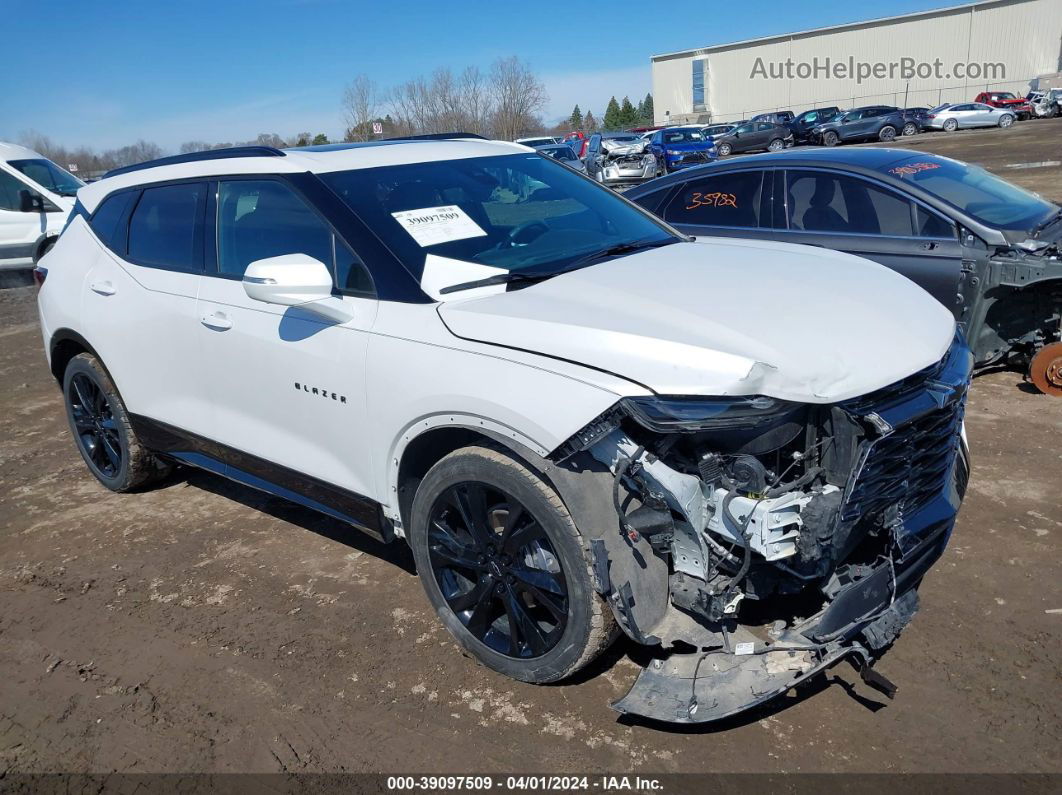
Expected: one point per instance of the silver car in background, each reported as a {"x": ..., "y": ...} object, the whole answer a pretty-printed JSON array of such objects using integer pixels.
[
  {"x": 951, "y": 117},
  {"x": 564, "y": 154},
  {"x": 619, "y": 158}
]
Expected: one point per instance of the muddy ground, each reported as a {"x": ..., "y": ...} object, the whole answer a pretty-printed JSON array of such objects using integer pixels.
[{"x": 203, "y": 626}]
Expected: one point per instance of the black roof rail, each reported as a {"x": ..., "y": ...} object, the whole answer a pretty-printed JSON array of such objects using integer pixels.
[
  {"x": 437, "y": 137},
  {"x": 192, "y": 157}
]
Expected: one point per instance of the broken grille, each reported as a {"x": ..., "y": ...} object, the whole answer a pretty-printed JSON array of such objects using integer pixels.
[{"x": 908, "y": 467}]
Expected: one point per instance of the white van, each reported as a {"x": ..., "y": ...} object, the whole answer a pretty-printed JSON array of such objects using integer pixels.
[{"x": 36, "y": 197}]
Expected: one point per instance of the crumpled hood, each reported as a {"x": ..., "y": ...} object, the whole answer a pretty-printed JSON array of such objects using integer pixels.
[{"x": 724, "y": 317}]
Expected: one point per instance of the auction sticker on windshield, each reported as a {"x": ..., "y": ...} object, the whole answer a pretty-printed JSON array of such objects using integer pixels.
[{"x": 434, "y": 225}]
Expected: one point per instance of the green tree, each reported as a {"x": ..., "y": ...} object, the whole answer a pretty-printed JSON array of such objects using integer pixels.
[
  {"x": 319, "y": 139},
  {"x": 648, "y": 112},
  {"x": 612, "y": 119},
  {"x": 628, "y": 116},
  {"x": 575, "y": 121}
]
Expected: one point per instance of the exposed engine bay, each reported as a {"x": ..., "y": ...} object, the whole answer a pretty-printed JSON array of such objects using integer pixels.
[
  {"x": 787, "y": 536},
  {"x": 620, "y": 158}
]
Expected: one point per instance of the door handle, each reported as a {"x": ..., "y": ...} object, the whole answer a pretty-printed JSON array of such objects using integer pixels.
[
  {"x": 216, "y": 321},
  {"x": 103, "y": 288}
]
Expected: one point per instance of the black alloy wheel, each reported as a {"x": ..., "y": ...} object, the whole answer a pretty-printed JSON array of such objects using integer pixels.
[
  {"x": 497, "y": 570},
  {"x": 95, "y": 426}
]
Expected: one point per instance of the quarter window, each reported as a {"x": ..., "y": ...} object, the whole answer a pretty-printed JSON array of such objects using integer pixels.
[
  {"x": 162, "y": 230},
  {"x": 821, "y": 202},
  {"x": 107, "y": 217},
  {"x": 722, "y": 200}
]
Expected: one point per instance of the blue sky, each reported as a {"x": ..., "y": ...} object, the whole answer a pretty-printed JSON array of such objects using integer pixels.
[{"x": 106, "y": 73}]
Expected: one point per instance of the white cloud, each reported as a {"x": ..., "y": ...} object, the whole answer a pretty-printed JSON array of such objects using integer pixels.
[{"x": 590, "y": 90}]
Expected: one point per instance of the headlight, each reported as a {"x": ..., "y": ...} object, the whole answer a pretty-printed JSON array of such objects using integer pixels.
[{"x": 670, "y": 414}]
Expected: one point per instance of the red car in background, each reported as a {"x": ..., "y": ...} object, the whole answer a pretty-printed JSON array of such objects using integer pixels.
[
  {"x": 1005, "y": 99},
  {"x": 577, "y": 141}
]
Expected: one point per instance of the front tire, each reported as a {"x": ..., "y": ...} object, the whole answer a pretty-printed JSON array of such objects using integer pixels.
[
  {"x": 724, "y": 149},
  {"x": 505, "y": 567},
  {"x": 102, "y": 431},
  {"x": 910, "y": 129},
  {"x": 830, "y": 138}
]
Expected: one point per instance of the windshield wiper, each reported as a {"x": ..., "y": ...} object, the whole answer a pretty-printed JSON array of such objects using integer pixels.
[
  {"x": 498, "y": 278},
  {"x": 620, "y": 249}
]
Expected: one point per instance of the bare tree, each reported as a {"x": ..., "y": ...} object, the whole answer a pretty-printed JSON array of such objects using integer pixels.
[
  {"x": 359, "y": 107},
  {"x": 518, "y": 97}
]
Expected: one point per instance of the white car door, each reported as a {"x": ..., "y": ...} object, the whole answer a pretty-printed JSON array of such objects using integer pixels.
[
  {"x": 286, "y": 384},
  {"x": 138, "y": 304},
  {"x": 20, "y": 231}
]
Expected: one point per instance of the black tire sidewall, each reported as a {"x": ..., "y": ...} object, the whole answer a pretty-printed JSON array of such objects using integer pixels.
[
  {"x": 91, "y": 368},
  {"x": 831, "y": 139},
  {"x": 725, "y": 149},
  {"x": 950, "y": 125},
  {"x": 474, "y": 464},
  {"x": 883, "y": 137}
]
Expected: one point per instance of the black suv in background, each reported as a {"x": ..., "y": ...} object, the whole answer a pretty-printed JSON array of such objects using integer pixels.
[
  {"x": 803, "y": 124},
  {"x": 881, "y": 122},
  {"x": 779, "y": 117}
]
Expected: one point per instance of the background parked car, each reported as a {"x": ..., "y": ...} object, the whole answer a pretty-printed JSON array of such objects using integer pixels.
[
  {"x": 782, "y": 117},
  {"x": 36, "y": 197},
  {"x": 1006, "y": 101},
  {"x": 540, "y": 140},
  {"x": 619, "y": 157},
  {"x": 713, "y": 131},
  {"x": 988, "y": 250},
  {"x": 681, "y": 147},
  {"x": 1045, "y": 104},
  {"x": 564, "y": 154},
  {"x": 803, "y": 124},
  {"x": 915, "y": 120},
  {"x": 577, "y": 141},
  {"x": 965, "y": 115},
  {"x": 754, "y": 136},
  {"x": 881, "y": 122}
]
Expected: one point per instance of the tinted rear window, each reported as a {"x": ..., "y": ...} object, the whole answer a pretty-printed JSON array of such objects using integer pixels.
[
  {"x": 722, "y": 200},
  {"x": 162, "y": 231},
  {"x": 108, "y": 215}
]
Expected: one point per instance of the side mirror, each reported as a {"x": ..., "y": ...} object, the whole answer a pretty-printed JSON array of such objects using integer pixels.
[
  {"x": 295, "y": 280},
  {"x": 30, "y": 202}
]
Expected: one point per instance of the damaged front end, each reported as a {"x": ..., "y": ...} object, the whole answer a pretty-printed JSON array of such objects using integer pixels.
[
  {"x": 760, "y": 541},
  {"x": 625, "y": 161}
]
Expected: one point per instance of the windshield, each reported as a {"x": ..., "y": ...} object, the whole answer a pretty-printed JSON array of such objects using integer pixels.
[
  {"x": 981, "y": 195},
  {"x": 683, "y": 136},
  {"x": 537, "y": 141},
  {"x": 48, "y": 175},
  {"x": 1004, "y": 95},
  {"x": 517, "y": 212}
]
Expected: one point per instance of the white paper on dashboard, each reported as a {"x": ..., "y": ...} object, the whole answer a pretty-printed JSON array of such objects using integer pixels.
[
  {"x": 440, "y": 272},
  {"x": 433, "y": 225}
]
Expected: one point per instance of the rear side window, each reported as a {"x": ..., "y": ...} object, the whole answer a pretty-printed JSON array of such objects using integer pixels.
[
  {"x": 165, "y": 229},
  {"x": 721, "y": 200},
  {"x": 108, "y": 216},
  {"x": 822, "y": 202}
]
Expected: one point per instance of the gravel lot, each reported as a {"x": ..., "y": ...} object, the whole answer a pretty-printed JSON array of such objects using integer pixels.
[{"x": 203, "y": 626}]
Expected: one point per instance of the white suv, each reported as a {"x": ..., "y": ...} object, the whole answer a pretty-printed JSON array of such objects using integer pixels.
[{"x": 744, "y": 453}]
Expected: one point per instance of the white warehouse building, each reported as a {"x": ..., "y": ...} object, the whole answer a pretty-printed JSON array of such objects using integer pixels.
[{"x": 920, "y": 59}]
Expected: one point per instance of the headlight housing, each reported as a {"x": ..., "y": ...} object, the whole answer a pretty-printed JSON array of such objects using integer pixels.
[{"x": 692, "y": 414}]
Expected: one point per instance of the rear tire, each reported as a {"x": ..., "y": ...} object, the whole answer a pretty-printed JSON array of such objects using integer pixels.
[
  {"x": 887, "y": 133},
  {"x": 777, "y": 145},
  {"x": 910, "y": 129},
  {"x": 102, "y": 431},
  {"x": 1006, "y": 120},
  {"x": 951, "y": 125},
  {"x": 496, "y": 548}
]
